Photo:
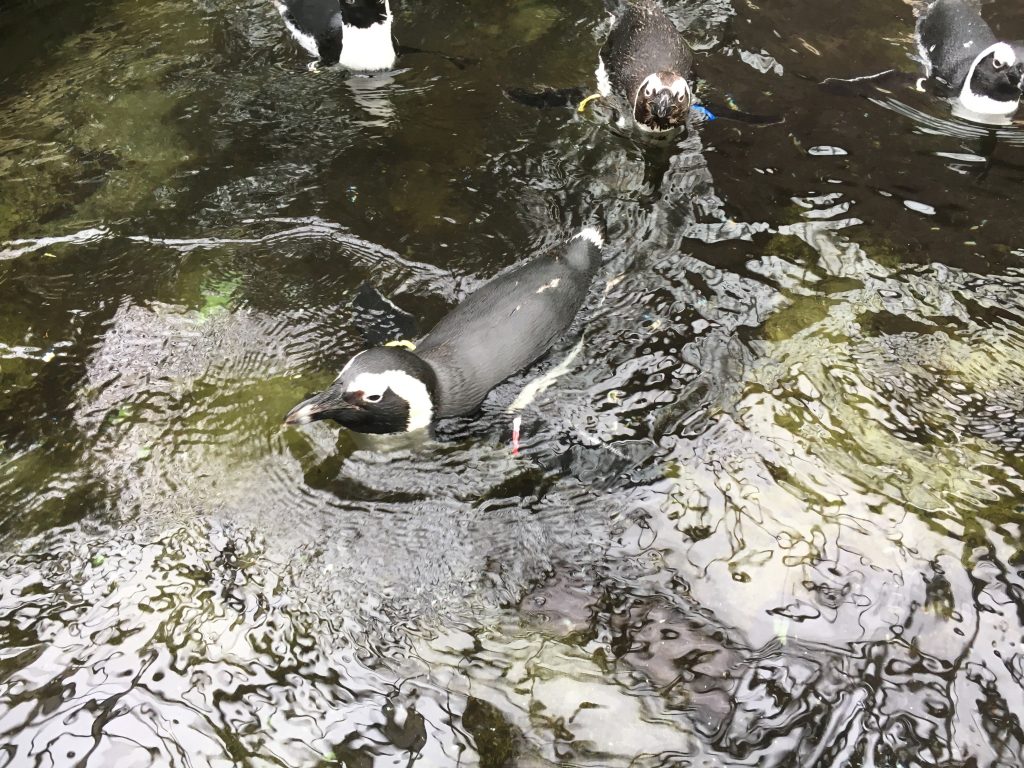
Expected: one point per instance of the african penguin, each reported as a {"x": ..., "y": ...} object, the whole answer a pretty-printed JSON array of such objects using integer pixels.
[
  {"x": 353, "y": 33},
  {"x": 963, "y": 56},
  {"x": 498, "y": 330},
  {"x": 645, "y": 63}
]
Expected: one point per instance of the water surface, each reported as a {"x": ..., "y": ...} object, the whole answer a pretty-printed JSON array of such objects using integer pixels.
[{"x": 770, "y": 516}]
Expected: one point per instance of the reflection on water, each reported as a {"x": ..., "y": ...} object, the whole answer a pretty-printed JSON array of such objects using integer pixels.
[{"x": 769, "y": 513}]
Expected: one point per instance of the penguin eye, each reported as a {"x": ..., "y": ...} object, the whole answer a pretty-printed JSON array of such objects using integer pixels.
[
  {"x": 998, "y": 63},
  {"x": 373, "y": 398},
  {"x": 649, "y": 92},
  {"x": 681, "y": 98}
]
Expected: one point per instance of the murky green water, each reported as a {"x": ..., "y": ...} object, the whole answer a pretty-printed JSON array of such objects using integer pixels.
[{"x": 771, "y": 516}]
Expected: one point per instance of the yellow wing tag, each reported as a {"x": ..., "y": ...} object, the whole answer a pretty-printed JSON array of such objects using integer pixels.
[
  {"x": 404, "y": 343},
  {"x": 590, "y": 98}
]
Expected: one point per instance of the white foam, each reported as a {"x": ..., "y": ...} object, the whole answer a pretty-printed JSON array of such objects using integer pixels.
[{"x": 604, "y": 85}]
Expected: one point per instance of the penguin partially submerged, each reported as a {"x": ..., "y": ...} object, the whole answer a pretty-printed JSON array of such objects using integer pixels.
[
  {"x": 497, "y": 331},
  {"x": 645, "y": 65},
  {"x": 644, "y": 72},
  {"x": 353, "y": 33},
  {"x": 966, "y": 60}
]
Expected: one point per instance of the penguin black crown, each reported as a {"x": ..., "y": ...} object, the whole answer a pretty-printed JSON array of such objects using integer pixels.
[
  {"x": 963, "y": 56},
  {"x": 353, "y": 33},
  {"x": 645, "y": 62},
  {"x": 497, "y": 331}
]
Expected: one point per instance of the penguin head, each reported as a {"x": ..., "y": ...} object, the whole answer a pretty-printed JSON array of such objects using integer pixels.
[
  {"x": 996, "y": 80},
  {"x": 364, "y": 13},
  {"x": 662, "y": 102},
  {"x": 379, "y": 391}
]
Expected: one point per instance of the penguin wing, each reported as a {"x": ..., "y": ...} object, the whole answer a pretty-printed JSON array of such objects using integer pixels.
[{"x": 951, "y": 34}]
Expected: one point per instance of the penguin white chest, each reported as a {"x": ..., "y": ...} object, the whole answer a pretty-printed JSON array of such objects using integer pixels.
[{"x": 368, "y": 49}]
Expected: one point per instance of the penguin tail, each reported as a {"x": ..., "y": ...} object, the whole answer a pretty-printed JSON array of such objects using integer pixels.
[{"x": 584, "y": 248}]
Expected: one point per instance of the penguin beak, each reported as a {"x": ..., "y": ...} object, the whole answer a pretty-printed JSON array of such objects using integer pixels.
[
  {"x": 328, "y": 404},
  {"x": 661, "y": 107}
]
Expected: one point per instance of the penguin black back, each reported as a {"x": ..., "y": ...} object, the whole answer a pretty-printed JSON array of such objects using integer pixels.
[{"x": 509, "y": 322}]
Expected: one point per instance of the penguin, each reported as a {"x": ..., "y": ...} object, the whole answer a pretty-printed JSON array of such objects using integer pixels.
[
  {"x": 967, "y": 62},
  {"x": 645, "y": 65},
  {"x": 501, "y": 328},
  {"x": 644, "y": 70},
  {"x": 353, "y": 33},
  {"x": 963, "y": 61}
]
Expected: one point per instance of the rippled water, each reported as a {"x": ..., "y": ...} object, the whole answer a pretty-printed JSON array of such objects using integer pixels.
[{"x": 770, "y": 516}]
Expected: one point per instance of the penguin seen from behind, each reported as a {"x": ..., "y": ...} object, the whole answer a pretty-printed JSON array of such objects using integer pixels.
[{"x": 501, "y": 328}]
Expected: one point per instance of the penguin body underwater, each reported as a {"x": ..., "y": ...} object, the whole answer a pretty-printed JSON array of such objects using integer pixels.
[
  {"x": 645, "y": 65},
  {"x": 501, "y": 328},
  {"x": 966, "y": 60},
  {"x": 353, "y": 33}
]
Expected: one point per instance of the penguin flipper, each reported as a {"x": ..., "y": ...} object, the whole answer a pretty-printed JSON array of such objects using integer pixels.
[
  {"x": 460, "y": 62},
  {"x": 547, "y": 98},
  {"x": 724, "y": 112},
  {"x": 870, "y": 85}
]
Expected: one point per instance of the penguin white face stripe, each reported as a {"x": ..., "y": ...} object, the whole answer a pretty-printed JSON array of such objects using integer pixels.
[
  {"x": 370, "y": 49},
  {"x": 679, "y": 87},
  {"x": 985, "y": 105},
  {"x": 409, "y": 388}
]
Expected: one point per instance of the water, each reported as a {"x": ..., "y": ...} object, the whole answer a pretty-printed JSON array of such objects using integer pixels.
[{"x": 770, "y": 516}]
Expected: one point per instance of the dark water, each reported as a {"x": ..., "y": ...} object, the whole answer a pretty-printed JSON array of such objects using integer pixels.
[{"x": 770, "y": 515}]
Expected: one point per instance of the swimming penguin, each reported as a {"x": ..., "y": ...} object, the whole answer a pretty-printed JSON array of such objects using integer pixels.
[
  {"x": 498, "y": 330},
  {"x": 645, "y": 65},
  {"x": 353, "y": 33},
  {"x": 966, "y": 61},
  {"x": 643, "y": 71}
]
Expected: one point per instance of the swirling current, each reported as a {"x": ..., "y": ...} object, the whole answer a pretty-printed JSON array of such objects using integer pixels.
[{"x": 768, "y": 514}]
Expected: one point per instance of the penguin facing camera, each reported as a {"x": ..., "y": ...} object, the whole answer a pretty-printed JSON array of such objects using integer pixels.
[
  {"x": 644, "y": 65},
  {"x": 644, "y": 72},
  {"x": 964, "y": 62},
  {"x": 500, "y": 329}
]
